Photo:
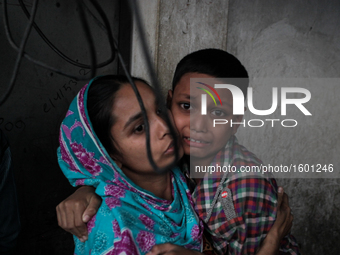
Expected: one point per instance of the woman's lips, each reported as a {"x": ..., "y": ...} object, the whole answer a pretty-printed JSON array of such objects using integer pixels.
[{"x": 170, "y": 149}]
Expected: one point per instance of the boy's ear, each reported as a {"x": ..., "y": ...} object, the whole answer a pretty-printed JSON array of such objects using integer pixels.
[
  {"x": 169, "y": 99},
  {"x": 236, "y": 118}
]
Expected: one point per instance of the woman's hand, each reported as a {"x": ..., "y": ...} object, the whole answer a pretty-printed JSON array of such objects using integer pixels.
[
  {"x": 171, "y": 249},
  {"x": 75, "y": 211},
  {"x": 281, "y": 227},
  {"x": 284, "y": 219}
]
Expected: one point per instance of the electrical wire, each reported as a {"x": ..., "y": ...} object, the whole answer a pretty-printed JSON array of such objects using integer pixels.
[
  {"x": 93, "y": 66},
  {"x": 55, "y": 49},
  {"x": 20, "y": 51},
  {"x": 35, "y": 61},
  {"x": 154, "y": 81},
  {"x": 88, "y": 37},
  {"x": 44, "y": 65},
  {"x": 101, "y": 25}
]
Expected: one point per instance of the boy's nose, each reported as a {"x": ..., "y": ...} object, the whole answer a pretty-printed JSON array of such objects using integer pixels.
[{"x": 198, "y": 123}]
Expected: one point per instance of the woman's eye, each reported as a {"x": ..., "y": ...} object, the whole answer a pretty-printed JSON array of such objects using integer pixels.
[
  {"x": 139, "y": 129},
  {"x": 159, "y": 111},
  {"x": 186, "y": 106},
  {"x": 218, "y": 113}
]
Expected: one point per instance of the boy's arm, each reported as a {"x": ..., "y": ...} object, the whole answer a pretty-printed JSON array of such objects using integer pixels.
[{"x": 75, "y": 211}]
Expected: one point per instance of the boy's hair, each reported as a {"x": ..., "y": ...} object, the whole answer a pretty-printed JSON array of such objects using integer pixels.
[{"x": 214, "y": 62}]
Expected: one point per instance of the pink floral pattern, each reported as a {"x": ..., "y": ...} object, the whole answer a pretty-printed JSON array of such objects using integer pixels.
[
  {"x": 146, "y": 207},
  {"x": 80, "y": 182},
  {"x": 174, "y": 235},
  {"x": 196, "y": 233},
  {"x": 125, "y": 245},
  {"x": 86, "y": 158},
  {"x": 115, "y": 191},
  {"x": 145, "y": 240},
  {"x": 66, "y": 157},
  {"x": 148, "y": 223},
  {"x": 112, "y": 202},
  {"x": 91, "y": 224},
  {"x": 69, "y": 113},
  {"x": 116, "y": 228}
]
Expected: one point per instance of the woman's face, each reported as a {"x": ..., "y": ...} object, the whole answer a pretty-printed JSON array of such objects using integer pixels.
[
  {"x": 129, "y": 135},
  {"x": 198, "y": 136}
]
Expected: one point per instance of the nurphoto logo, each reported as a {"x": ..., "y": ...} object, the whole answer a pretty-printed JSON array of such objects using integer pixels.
[{"x": 239, "y": 104}]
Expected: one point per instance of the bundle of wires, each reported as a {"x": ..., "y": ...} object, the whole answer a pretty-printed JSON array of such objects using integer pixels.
[{"x": 93, "y": 66}]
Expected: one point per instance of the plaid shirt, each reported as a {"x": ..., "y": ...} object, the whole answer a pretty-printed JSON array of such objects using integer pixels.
[{"x": 239, "y": 227}]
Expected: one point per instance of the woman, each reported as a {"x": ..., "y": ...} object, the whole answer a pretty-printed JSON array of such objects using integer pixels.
[{"x": 102, "y": 144}]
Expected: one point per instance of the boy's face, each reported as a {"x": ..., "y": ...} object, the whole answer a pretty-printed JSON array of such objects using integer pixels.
[{"x": 198, "y": 136}]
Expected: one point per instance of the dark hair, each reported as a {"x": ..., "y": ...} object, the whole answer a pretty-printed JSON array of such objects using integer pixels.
[
  {"x": 100, "y": 99},
  {"x": 214, "y": 62}
]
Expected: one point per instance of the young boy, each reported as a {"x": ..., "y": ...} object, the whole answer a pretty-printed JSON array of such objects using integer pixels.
[
  {"x": 238, "y": 210},
  {"x": 240, "y": 221}
]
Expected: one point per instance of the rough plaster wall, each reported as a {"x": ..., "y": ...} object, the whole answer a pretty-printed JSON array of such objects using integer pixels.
[
  {"x": 186, "y": 26},
  {"x": 296, "y": 39},
  {"x": 149, "y": 11},
  {"x": 176, "y": 28}
]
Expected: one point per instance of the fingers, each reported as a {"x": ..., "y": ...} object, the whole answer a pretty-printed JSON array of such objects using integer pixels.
[
  {"x": 75, "y": 211},
  {"x": 66, "y": 218},
  {"x": 79, "y": 226},
  {"x": 92, "y": 208},
  {"x": 285, "y": 204},
  {"x": 279, "y": 196}
]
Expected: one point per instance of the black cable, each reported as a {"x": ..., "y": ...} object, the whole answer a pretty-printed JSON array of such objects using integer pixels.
[
  {"x": 134, "y": 6},
  {"x": 114, "y": 48},
  {"x": 20, "y": 52},
  {"x": 88, "y": 37},
  {"x": 55, "y": 49},
  {"x": 101, "y": 25},
  {"x": 37, "y": 62},
  {"x": 146, "y": 123}
]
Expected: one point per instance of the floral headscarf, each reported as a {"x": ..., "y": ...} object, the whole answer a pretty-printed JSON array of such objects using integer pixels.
[{"x": 131, "y": 220}]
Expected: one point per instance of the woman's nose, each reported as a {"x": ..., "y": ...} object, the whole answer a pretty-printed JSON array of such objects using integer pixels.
[{"x": 162, "y": 128}]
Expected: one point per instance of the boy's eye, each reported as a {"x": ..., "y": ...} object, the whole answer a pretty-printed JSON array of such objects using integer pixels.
[
  {"x": 139, "y": 129},
  {"x": 218, "y": 113},
  {"x": 186, "y": 106}
]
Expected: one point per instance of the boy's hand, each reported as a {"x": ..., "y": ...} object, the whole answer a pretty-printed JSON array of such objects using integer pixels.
[
  {"x": 171, "y": 249},
  {"x": 75, "y": 211}
]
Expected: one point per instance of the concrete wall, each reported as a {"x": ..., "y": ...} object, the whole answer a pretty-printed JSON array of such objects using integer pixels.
[{"x": 280, "y": 43}]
